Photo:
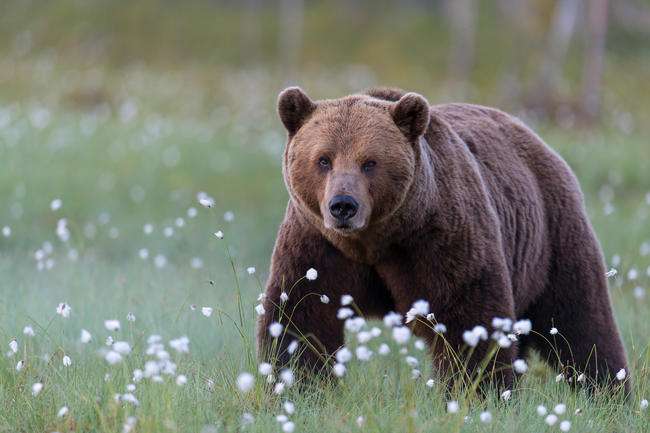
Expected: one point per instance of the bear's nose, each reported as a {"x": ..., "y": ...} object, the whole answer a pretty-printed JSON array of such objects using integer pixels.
[{"x": 343, "y": 207}]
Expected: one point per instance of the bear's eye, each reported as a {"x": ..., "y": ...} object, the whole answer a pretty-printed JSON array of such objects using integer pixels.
[
  {"x": 324, "y": 162},
  {"x": 368, "y": 165}
]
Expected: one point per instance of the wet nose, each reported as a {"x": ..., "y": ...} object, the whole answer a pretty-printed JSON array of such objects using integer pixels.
[{"x": 343, "y": 207}]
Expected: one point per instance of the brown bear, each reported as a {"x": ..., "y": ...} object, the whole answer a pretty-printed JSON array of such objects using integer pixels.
[{"x": 393, "y": 201}]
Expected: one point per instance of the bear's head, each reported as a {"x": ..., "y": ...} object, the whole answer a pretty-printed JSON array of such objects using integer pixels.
[{"x": 349, "y": 163}]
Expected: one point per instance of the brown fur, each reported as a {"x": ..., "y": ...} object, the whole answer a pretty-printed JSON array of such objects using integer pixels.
[{"x": 466, "y": 208}]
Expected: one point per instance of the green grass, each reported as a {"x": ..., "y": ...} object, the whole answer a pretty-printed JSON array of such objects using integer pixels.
[
  {"x": 94, "y": 174},
  {"x": 204, "y": 123}
]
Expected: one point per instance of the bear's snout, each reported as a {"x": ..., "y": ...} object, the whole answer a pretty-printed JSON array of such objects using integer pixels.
[{"x": 343, "y": 207}]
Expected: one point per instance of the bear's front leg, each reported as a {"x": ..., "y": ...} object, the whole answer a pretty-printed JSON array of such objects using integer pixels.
[
  {"x": 461, "y": 298},
  {"x": 304, "y": 303}
]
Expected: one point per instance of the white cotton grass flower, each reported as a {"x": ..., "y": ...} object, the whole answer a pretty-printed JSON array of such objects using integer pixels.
[
  {"x": 29, "y": 331},
  {"x": 6, "y": 231},
  {"x": 581, "y": 377},
  {"x": 109, "y": 341},
  {"x": 284, "y": 297},
  {"x": 206, "y": 202},
  {"x": 503, "y": 341},
  {"x": 363, "y": 353},
  {"x": 279, "y": 388},
  {"x": 275, "y": 329},
  {"x": 639, "y": 292},
  {"x": 181, "y": 380},
  {"x": 412, "y": 361},
  {"x": 245, "y": 382},
  {"x": 292, "y": 347},
  {"x": 431, "y": 317},
  {"x": 122, "y": 347},
  {"x": 282, "y": 418},
  {"x": 559, "y": 377},
  {"x": 419, "y": 308},
  {"x": 56, "y": 204},
  {"x": 520, "y": 366},
  {"x": 85, "y": 337},
  {"x": 151, "y": 368},
  {"x": 522, "y": 327},
  {"x": 439, "y": 328},
  {"x": 506, "y": 395},
  {"x": 541, "y": 410},
  {"x": 560, "y": 408},
  {"x": 632, "y": 274},
  {"x": 207, "y": 311},
  {"x": 452, "y": 406},
  {"x": 265, "y": 368},
  {"x": 311, "y": 274},
  {"x": 361, "y": 421},
  {"x": 113, "y": 357},
  {"x": 551, "y": 419},
  {"x": 565, "y": 425},
  {"x": 612, "y": 272},
  {"x": 219, "y": 234},
  {"x": 343, "y": 355},
  {"x": 62, "y": 412},
  {"x": 384, "y": 349},
  {"x": 160, "y": 261},
  {"x": 147, "y": 229},
  {"x": 344, "y": 313},
  {"x": 20, "y": 365},
  {"x": 363, "y": 337},
  {"x": 181, "y": 344},
  {"x": 339, "y": 369},
  {"x": 644, "y": 404},
  {"x": 430, "y": 383},
  {"x": 112, "y": 324},
  {"x": 401, "y": 334},
  {"x": 63, "y": 309},
  {"x": 553, "y": 331},
  {"x": 67, "y": 362},
  {"x": 375, "y": 332},
  {"x": 324, "y": 299},
  {"x": 485, "y": 417},
  {"x": 13, "y": 345},
  {"x": 130, "y": 387},
  {"x": 355, "y": 324},
  {"x": 250, "y": 270},
  {"x": 289, "y": 407},
  {"x": 416, "y": 374},
  {"x": 346, "y": 300},
  {"x": 620, "y": 375},
  {"x": 288, "y": 427},
  {"x": 143, "y": 253},
  {"x": 259, "y": 309},
  {"x": 37, "y": 388},
  {"x": 473, "y": 337}
]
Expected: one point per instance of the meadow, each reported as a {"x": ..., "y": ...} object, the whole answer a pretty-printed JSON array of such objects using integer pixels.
[{"x": 101, "y": 213}]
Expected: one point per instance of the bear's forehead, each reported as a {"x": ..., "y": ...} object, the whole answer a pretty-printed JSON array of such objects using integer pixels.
[{"x": 352, "y": 116}]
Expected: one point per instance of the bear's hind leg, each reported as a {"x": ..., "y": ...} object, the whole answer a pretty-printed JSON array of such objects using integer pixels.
[{"x": 576, "y": 302}]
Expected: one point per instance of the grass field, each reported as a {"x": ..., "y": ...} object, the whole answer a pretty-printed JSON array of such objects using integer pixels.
[
  {"x": 113, "y": 176},
  {"x": 102, "y": 162}
]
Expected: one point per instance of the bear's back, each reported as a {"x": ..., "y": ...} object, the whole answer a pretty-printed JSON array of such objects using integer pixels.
[{"x": 527, "y": 183}]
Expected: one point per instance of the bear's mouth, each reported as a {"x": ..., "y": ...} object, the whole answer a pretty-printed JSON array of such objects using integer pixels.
[{"x": 345, "y": 228}]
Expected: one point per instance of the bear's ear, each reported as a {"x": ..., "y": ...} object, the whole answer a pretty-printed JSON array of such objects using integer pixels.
[
  {"x": 411, "y": 115},
  {"x": 294, "y": 106}
]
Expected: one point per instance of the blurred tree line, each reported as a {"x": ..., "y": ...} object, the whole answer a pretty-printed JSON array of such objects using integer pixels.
[{"x": 539, "y": 55}]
